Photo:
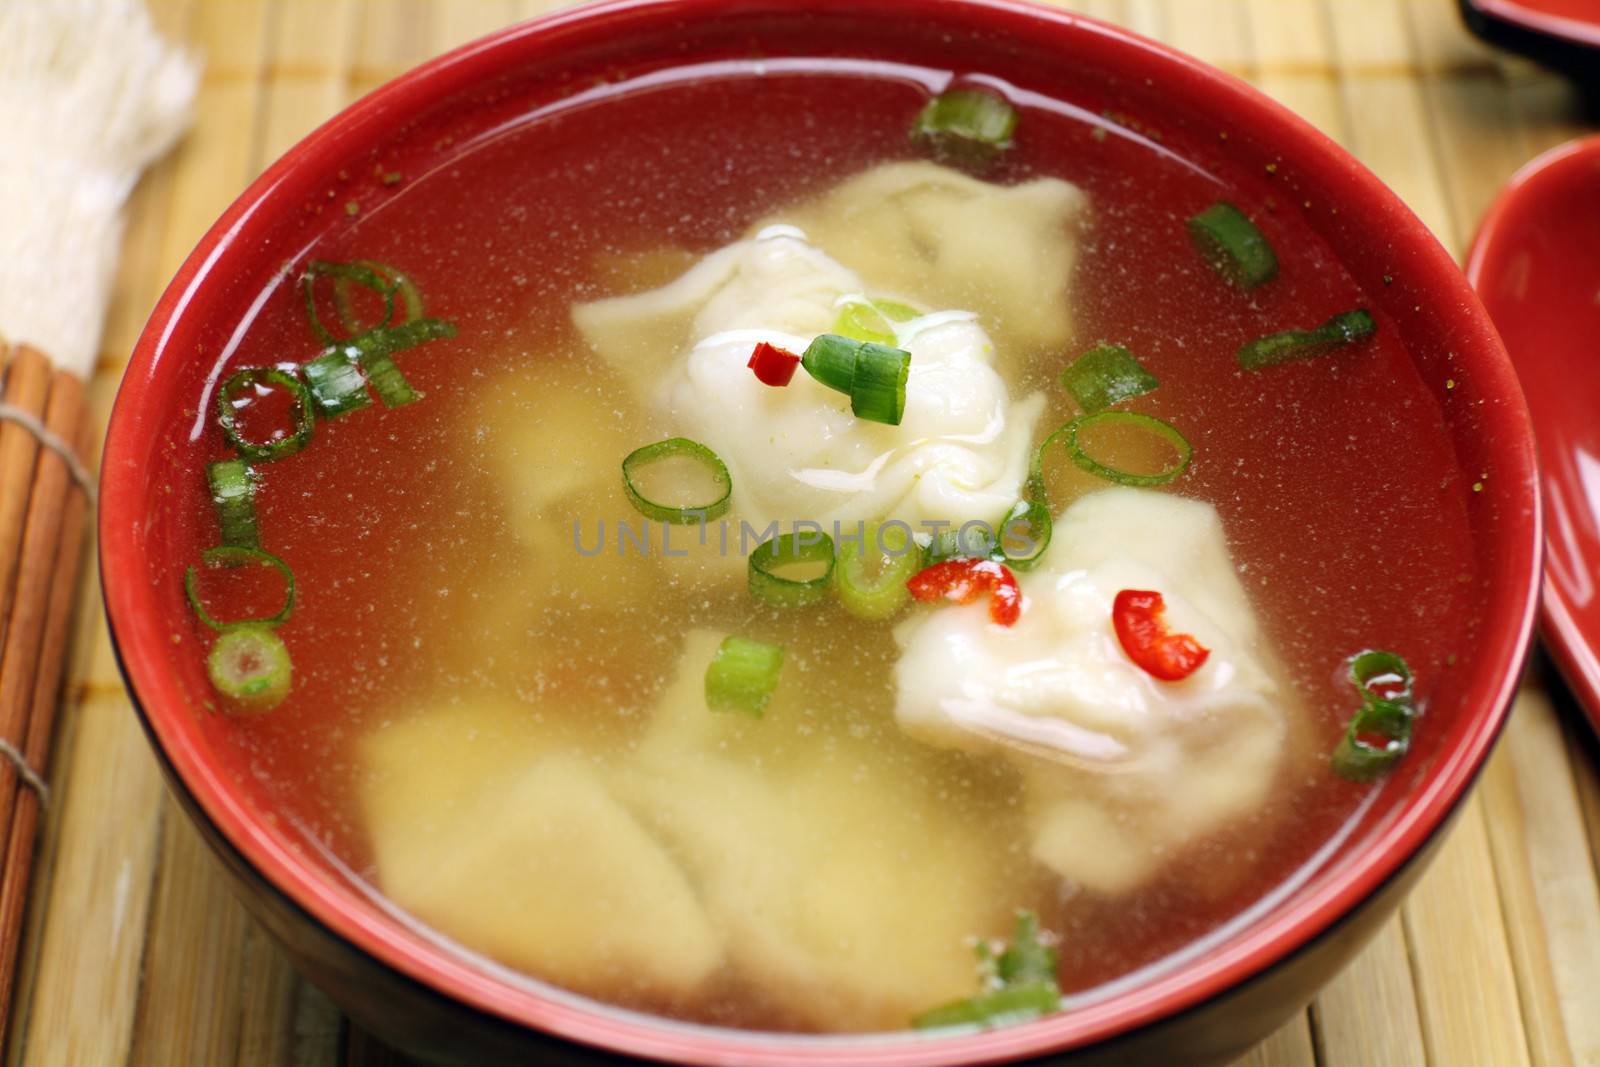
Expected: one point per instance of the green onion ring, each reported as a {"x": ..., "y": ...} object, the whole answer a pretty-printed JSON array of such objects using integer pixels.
[
  {"x": 359, "y": 273},
  {"x": 250, "y": 667},
  {"x": 335, "y": 382},
  {"x": 1359, "y": 760},
  {"x": 899, "y": 558},
  {"x": 640, "y": 458},
  {"x": 237, "y": 556},
  {"x": 1372, "y": 665},
  {"x": 233, "y": 494},
  {"x": 227, "y": 418},
  {"x": 1387, "y": 717},
  {"x": 1164, "y": 430},
  {"x": 742, "y": 676},
  {"x": 1034, "y": 511},
  {"x": 770, "y": 588},
  {"x": 878, "y": 389},
  {"x": 966, "y": 125},
  {"x": 392, "y": 281}
]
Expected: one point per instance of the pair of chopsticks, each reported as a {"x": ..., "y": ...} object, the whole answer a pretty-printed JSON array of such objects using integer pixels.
[{"x": 45, "y": 495}]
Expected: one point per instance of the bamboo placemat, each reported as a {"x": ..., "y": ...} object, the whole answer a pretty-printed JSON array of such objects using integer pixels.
[{"x": 137, "y": 953}]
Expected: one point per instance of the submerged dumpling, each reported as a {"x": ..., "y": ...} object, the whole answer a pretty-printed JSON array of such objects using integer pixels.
[
  {"x": 955, "y": 241},
  {"x": 838, "y": 882},
  {"x": 796, "y": 453},
  {"x": 488, "y": 825},
  {"x": 1122, "y": 770},
  {"x": 553, "y": 445}
]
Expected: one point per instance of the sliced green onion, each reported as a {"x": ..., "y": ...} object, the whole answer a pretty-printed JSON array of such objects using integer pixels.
[
  {"x": 1291, "y": 345},
  {"x": 233, "y": 494},
  {"x": 250, "y": 667},
  {"x": 1004, "y": 1007},
  {"x": 405, "y": 335},
  {"x": 1028, "y": 958},
  {"x": 966, "y": 125},
  {"x": 1021, "y": 984},
  {"x": 392, "y": 386},
  {"x": 231, "y": 556},
  {"x": 1105, "y": 376},
  {"x": 785, "y": 550},
  {"x": 971, "y": 540},
  {"x": 1026, "y": 530},
  {"x": 254, "y": 377},
  {"x": 873, "y": 570},
  {"x": 335, "y": 383},
  {"x": 1375, "y": 667},
  {"x": 874, "y": 375},
  {"x": 671, "y": 448},
  {"x": 1164, "y": 430},
  {"x": 872, "y": 320},
  {"x": 372, "y": 348},
  {"x": 1233, "y": 245},
  {"x": 390, "y": 279},
  {"x": 1359, "y": 759},
  {"x": 742, "y": 676},
  {"x": 375, "y": 352},
  {"x": 831, "y": 360},
  {"x": 375, "y": 349},
  {"x": 878, "y": 392},
  {"x": 1379, "y": 733},
  {"x": 362, "y": 274}
]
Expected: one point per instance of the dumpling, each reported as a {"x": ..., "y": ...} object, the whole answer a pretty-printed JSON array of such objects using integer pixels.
[
  {"x": 553, "y": 449},
  {"x": 833, "y": 875},
  {"x": 797, "y": 453},
  {"x": 773, "y": 281},
  {"x": 1122, "y": 770},
  {"x": 959, "y": 453},
  {"x": 954, "y": 241},
  {"x": 489, "y": 825}
]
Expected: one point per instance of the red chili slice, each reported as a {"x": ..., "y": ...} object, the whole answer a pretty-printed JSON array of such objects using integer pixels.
[
  {"x": 965, "y": 580},
  {"x": 773, "y": 365},
  {"x": 1139, "y": 616}
]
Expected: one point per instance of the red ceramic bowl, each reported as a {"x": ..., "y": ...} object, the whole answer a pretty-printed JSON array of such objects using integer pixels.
[{"x": 1208, "y": 1007}]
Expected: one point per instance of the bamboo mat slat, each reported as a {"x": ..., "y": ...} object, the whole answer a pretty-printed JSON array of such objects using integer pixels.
[{"x": 137, "y": 954}]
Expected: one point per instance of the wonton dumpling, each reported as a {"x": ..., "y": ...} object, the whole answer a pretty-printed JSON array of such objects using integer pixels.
[
  {"x": 1122, "y": 770},
  {"x": 774, "y": 281},
  {"x": 795, "y": 453},
  {"x": 554, "y": 447},
  {"x": 488, "y": 825},
  {"x": 835, "y": 878},
  {"x": 955, "y": 241}
]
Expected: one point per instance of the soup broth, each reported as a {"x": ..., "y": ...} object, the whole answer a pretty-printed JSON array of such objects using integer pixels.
[{"x": 466, "y": 664}]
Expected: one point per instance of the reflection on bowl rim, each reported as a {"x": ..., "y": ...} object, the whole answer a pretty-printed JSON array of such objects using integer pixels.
[{"x": 140, "y": 636}]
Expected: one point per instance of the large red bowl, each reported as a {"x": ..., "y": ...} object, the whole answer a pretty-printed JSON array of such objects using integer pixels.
[{"x": 1212, "y": 1004}]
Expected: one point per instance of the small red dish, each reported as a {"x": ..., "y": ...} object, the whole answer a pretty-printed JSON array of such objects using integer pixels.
[
  {"x": 1206, "y": 1006},
  {"x": 1562, "y": 33},
  {"x": 1536, "y": 266}
]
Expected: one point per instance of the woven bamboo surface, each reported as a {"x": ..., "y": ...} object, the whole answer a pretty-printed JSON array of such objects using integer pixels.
[{"x": 136, "y": 953}]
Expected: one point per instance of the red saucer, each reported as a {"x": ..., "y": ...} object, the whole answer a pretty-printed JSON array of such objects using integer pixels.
[{"x": 1536, "y": 266}]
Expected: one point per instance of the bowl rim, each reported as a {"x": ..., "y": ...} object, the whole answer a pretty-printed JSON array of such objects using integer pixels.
[{"x": 141, "y": 640}]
